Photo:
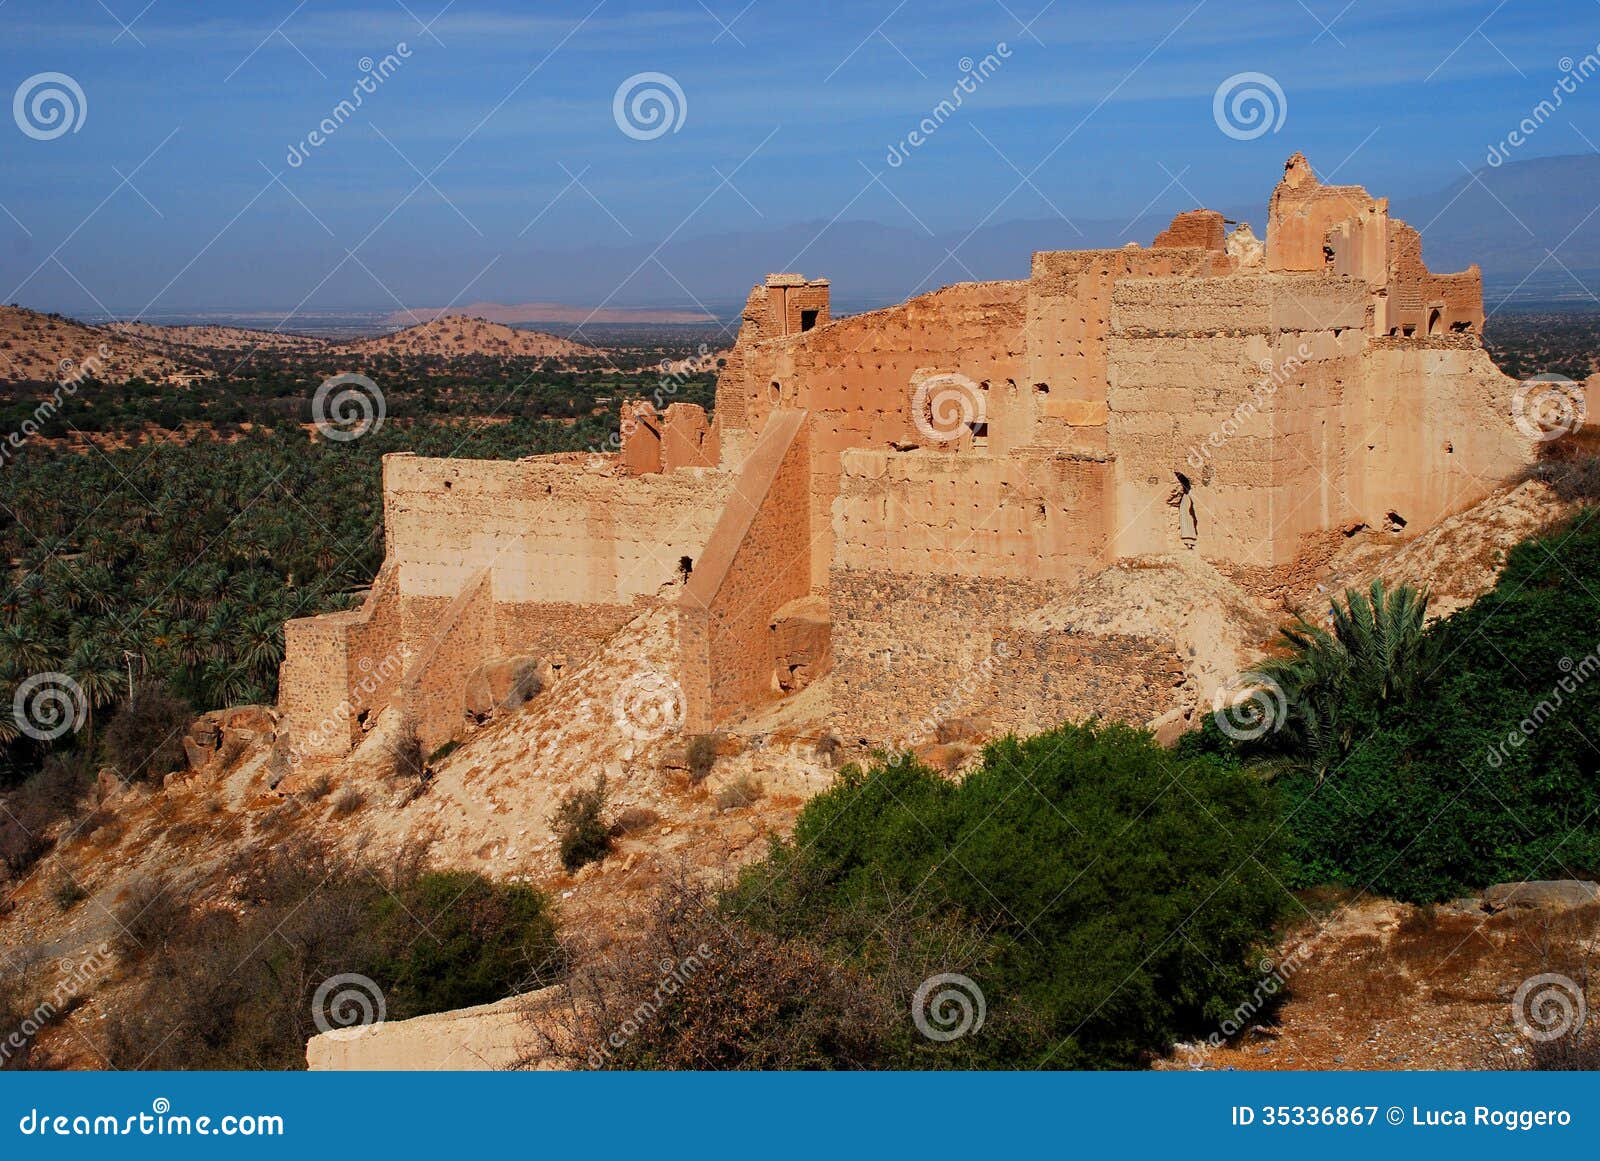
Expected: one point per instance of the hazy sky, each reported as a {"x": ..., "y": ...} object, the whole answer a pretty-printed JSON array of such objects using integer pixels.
[{"x": 491, "y": 143}]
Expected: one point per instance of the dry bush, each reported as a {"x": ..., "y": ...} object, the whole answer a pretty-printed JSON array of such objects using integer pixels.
[
  {"x": 404, "y": 752},
  {"x": 144, "y": 741},
  {"x": 633, "y": 820},
  {"x": 700, "y": 991},
  {"x": 828, "y": 747},
  {"x": 348, "y": 801},
  {"x": 152, "y": 909},
  {"x": 741, "y": 792},
  {"x": 318, "y": 788},
  {"x": 702, "y": 756}
]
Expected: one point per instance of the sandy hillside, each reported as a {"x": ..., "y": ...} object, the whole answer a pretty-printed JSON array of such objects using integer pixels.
[
  {"x": 450, "y": 337},
  {"x": 213, "y": 338},
  {"x": 41, "y": 348}
]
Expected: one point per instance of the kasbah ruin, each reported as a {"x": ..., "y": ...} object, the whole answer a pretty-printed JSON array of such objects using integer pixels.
[{"x": 897, "y": 500}]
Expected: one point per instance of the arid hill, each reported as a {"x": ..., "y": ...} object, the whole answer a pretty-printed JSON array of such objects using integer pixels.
[
  {"x": 44, "y": 348},
  {"x": 214, "y": 338},
  {"x": 453, "y": 337}
]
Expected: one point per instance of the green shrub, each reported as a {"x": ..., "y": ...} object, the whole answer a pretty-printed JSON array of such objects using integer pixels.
[
  {"x": 1491, "y": 773},
  {"x": 1114, "y": 893},
  {"x": 453, "y": 939},
  {"x": 580, "y": 828}
]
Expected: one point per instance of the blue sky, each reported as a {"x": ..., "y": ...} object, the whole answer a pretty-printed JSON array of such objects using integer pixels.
[{"x": 789, "y": 113}]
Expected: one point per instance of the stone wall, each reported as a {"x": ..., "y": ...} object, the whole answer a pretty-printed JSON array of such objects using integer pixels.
[
  {"x": 340, "y": 668},
  {"x": 913, "y": 651},
  {"x": 547, "y": 529}
]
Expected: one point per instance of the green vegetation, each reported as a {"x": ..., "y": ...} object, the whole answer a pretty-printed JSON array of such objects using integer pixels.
[
  {"x": 176, "y": 562},
  {"x": 1428, "y": 764},
  {"x": 1100, "y": 910},
  {"x": 580, "y": 826},
  {"x": 317, "y": 941}
]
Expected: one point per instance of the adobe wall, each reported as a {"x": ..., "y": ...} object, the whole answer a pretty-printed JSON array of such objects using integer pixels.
[
  {"x": 548, "y": 531},
  {"x": 855, "y": 375},
  {"x": 1038, "y": 516},
  {"x": 339, "y": 667},
  {"x": 1062, "y": 401},
  {"x": 1433, "y": 430},
  {"x": 913, "y": 651},
  {"x": 1238, "y": 383},
  {"x": 756, "y": 561}
]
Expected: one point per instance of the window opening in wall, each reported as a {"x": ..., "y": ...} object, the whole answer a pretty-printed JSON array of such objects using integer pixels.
[
  {"x": 808, "y": 319},
  {"x": 1434, "y": 318},
  {"x": 980, "y": 434},
  {"x": 1041, "y": 388},
  {"x": 685, "y": 567},
  {"x": 777, "y": 389},
  {"x": 1408, "y": 331}
]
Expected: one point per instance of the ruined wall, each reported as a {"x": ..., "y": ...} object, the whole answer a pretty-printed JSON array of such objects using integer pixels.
[
  {"x": 449, "y": 643},
  {"x": 1432, "y": 430},
  {"x": 548, "y": 531},
  {"x": 1062, "y": 400},
  {"x": 1237, "y": 383},
  {"x": 339, "y": 668},
  {"x": 913, "y": 651},
  {"x": 1038, "y": 516},
  {"x": 1302, "y": 211},
  {"x": 756, "y": 561},
  {"x": 855, "y": 377}
]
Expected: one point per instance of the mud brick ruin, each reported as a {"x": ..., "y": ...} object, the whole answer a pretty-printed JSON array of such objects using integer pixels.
[{"x": 891, "y": 495}]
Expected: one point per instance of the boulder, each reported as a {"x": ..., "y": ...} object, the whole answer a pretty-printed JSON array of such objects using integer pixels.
[{"x": 1541, "y": 895}]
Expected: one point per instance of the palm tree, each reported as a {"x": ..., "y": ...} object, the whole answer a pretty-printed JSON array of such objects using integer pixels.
[
  {"x": 99, "y": 674},
  {"x": 1337, "y": 682}
]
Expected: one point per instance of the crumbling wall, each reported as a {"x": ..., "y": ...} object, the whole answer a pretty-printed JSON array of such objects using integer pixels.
[
  {"x": 341, "y": 668},
  {"x": 1434, "y": 431},
  {"x": 1062, "y": 400},
  {"x": 855, "y": 376},
  {"x": 912, "y": 652},
  {"x": 548, "y": 530},
  {"x": 1236, "y": 385},
  {"x": 756, "y": 561}
]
